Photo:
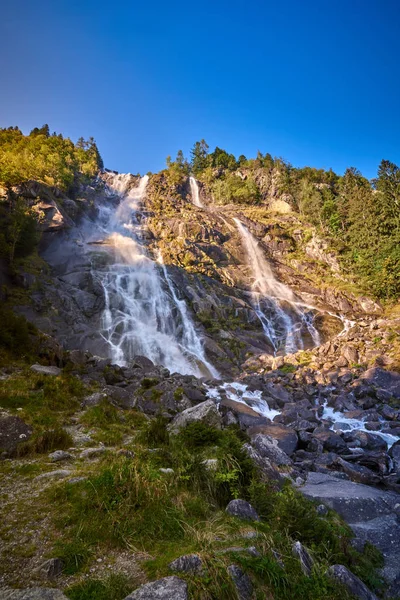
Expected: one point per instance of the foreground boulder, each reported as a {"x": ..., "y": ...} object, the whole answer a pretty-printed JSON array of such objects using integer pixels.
[
  {"x": 206, "y": 412},
  {"x": 355, "y": 586},
  {"x": 13, "y": 431},
  {"x": 190, "y": 563},
  {"x": 163, "y": 589},
  {"x": 242, "y": 582},
  {"x": 370, "y": 512},
  {"x": 242, "y": 510}
]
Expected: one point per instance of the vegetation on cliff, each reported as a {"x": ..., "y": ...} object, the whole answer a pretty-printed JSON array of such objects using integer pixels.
[{"x": 361, "y": 218}]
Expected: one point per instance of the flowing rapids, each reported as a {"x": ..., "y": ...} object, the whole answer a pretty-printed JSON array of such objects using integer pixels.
[
  {"x": 194, "y": 189},
  {"x": 286, "y": 322},
  {"x": 142, "y": 315}
]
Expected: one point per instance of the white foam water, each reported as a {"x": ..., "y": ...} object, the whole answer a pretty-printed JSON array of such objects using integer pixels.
[
  {"x": 139, "y": 316},
  {"x": 194, "y": 189},
  {"x": 239, "y": 392},
  {"x": 284, "y": 319},
  {"x": 353, "y": 424}
]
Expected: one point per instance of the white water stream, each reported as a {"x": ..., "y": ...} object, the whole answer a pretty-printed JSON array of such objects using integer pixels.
[
  {"x": 285, "y": 320},
  {"x": 194, "y": 189},
  {"x": 139, "y": 316}
]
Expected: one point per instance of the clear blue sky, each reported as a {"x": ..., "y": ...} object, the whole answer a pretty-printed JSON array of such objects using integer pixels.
[{"x": 316, "y": 82}]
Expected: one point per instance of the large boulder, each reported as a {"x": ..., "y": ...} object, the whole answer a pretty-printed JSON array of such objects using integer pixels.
[
  {"x": 387, "y": 380},
  {"x": 242, "y": 582},
  {"x": 189, "y": 563},
  {"x": 286, "y": 437},
  {"x": 162, "y": 589},
  {"x": 268, "y": 447},
  {"x": 242, "y": 510},
  {"x": 13, "y": 431},
  {"x": 370, "y": 512},
  {"x": 205, "y": 412},
  {"x": 354, "y": 585}
]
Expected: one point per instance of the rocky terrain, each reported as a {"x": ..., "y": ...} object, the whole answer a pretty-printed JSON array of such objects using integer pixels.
[{"x": 276, "y": 477}]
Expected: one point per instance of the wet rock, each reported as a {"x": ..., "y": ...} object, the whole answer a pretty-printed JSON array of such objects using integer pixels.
[
  {"x": 163, "y": 589},
  {"x": 242, "y": 510},
  {"x": 286, "y": 437},
  {"x": 369, "y": 441},
  {"x": 190, "y": 563},
  {"x": 142, "y": 362},
  {"x": 44, "y": 370},
  {"x": 358, "y": 473},
  {"x": 206, "y": 412},
  {"x": 354, "y": 585},
  {"x": 330, "y": 441},
  {"x": 242, "y": 582},
  {"x": 306, "y": 562},
  {"x": 268, "y": 447},
  {"x": 13, "y": 431},
  {"x": 389, "y": 413},
  {"x": 278, "y": 393},
  {"x": 59, "y": 455}
]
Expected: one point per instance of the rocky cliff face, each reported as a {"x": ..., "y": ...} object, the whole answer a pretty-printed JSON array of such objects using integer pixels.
[{"x": 204, "y": 256}]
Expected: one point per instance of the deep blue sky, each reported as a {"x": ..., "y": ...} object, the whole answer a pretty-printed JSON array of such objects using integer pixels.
[{"x": 316, "y": 82}]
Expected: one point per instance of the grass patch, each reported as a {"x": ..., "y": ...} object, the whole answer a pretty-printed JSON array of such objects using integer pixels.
[
  {"x": 113, "y": 587},
  {"x": 46, "y": 441}
]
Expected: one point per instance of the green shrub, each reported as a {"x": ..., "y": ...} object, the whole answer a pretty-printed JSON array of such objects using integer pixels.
[{"x": 46, "y": 441}]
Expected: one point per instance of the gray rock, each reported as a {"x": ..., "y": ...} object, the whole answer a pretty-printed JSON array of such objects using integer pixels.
[
  {"x": 370, "y": 512},
  {"x": 37, "y": 593},
  {"x": 59, "y": 455},
  {"x": 92, "y": 452},
  {"x": 52, "y": 568},
  {"x": 242, "y": 510},
  {"x": 205, "y": 412},
  {"x": 355, "y": 586},
  {"x": 267, "y": 468},
  {"x": 168, "y": 588},
  {"x": 306, "y": 562},
  {"x": 285, "y": 436},
  {"x": 252, "y": 550},
  {"x": 94, "y": 399},
  {"x": 190, "y": 563},
  {"x": 387, "y": 380},
  {"x": 268, "y": 447},
  {"x": 45, "y": 370},
  {"x": 59, "y": 474},
  {"x": 242, "y": 582},
  {"x": 13, "y": 431}
]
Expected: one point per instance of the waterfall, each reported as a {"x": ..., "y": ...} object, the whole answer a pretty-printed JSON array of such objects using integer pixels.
[
  {"x": 190, "y": 338},
  {"x": 283, "y": 318},
  {"x": 139, "y": 317},
  {"x": 194, "y": 189}
]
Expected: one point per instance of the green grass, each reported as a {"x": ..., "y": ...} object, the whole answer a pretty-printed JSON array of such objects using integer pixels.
[{"x": 113, "y": 587}]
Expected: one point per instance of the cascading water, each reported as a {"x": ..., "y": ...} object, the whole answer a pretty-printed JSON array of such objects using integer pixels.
[
  {"x": 194, "y": 189},
  {"x": 283, "y": 318},
  {"x": 139, "y": 316}
]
